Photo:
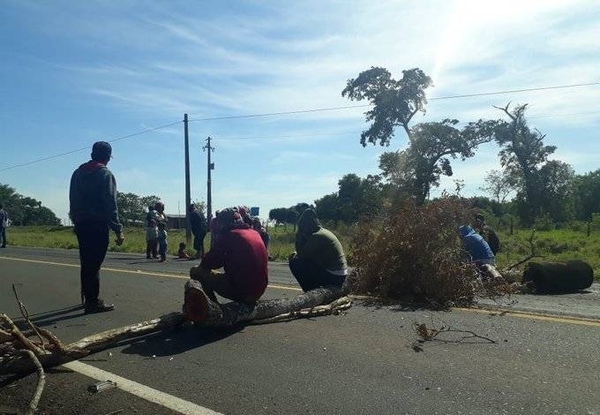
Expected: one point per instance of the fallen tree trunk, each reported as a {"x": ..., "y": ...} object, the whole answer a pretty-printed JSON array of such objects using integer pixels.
[{"x": 197, "y": 308}]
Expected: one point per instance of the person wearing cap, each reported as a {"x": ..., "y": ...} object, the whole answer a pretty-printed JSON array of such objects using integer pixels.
[
  {"x": 319, "y": 259},
  {"x": 241, "y": 253},
  {"x": 93, "y": 210}
]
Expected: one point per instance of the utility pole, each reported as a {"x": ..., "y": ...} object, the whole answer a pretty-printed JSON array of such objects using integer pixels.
[
  {"x": 188, "y": 201},
  {"x": 210, "y": 166}
]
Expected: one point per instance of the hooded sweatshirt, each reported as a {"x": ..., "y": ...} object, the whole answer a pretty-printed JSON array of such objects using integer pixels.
[
  {"x": 319, "y": 245},
  {"x": 474, "y": 244},
  {"x": 93, "y": 196}
]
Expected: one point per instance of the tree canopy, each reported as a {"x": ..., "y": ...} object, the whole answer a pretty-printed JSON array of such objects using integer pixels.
[
  {"x": 25, "y": 211},
  {"x": 394, "y": 102}
]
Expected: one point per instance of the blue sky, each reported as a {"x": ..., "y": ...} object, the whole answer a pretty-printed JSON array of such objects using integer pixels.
[{"x": 76, "y": 72}]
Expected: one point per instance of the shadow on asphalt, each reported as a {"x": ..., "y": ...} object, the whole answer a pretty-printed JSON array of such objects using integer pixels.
[
  {"x": 51, "y": 317},
  {"x": 176, "y": 341}
]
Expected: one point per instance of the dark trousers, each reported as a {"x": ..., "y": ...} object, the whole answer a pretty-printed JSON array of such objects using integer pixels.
[
  {"x": 3, "y": 235},
  {"x": 311, "y": 276},
  {"x": 152, "y": 248},
  {"x": 93, "y": 244}
]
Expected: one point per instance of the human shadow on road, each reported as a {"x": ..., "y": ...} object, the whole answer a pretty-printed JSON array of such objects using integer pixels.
[{"x": 177, "y": 341}]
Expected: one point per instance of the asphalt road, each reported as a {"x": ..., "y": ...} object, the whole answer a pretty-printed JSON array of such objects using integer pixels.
[{"x": 532, "y": 355}]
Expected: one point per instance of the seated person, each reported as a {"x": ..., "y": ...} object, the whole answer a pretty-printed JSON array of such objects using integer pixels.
[
  {"x": 477, "y": 248},
  {"x": 181, "y": 254},
  {"x": 241, "y": 252},
  {"x": 319, "y": 259}
]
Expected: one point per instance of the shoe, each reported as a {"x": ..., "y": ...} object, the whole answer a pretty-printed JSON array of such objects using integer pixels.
[
  {"x": 3, "y": 246},
  {"x": 98, "y": 307},
  {"x": 148, "y": 257},
  {"x": 155, "y": 257}
]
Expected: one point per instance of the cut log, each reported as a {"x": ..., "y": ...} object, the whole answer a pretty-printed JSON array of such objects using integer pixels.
[
  {"x": 200, "y": 309},
  {"x": 197, "y": 308}
]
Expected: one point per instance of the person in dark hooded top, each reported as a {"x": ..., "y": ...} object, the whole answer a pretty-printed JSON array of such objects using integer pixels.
[
  {"x": 93, "y": 210},
  {"x": 319, "y": 259},
  {"x": 242, "y": 254}
]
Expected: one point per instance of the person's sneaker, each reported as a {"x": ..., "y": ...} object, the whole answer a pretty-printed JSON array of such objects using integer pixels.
[{"x": 98, "y": 307}]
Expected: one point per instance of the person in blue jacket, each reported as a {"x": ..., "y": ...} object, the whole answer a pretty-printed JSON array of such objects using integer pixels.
[{"x": 478, "y": 249}]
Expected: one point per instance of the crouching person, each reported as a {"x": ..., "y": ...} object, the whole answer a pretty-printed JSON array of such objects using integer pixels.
[
  {"x": 319, "y": 259},
  {"x": 241, "y": 253},
  {"x": 478, "y": 252}
]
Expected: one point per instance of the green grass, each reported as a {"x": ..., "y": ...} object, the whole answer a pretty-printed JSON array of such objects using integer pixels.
[{"x": 554, "y": 245}]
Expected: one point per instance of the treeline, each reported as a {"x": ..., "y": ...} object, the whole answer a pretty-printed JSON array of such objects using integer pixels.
[
  {"x": 530, "y": 185},
  {"x": 25, "y": 211}
]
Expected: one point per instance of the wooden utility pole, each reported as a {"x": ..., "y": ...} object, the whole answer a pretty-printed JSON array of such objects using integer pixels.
[
  {"x": 188, "y": 201},
  {"x": 209, "y": 166}
]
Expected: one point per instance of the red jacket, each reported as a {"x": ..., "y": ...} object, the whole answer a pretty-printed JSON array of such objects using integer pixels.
[{"x": 242, "y": 254}]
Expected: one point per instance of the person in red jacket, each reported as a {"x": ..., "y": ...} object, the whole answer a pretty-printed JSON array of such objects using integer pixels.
[{"x": 240, "y": 251}]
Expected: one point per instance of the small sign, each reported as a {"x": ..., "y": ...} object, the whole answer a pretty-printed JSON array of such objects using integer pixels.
[{"x": 254, "y": 211}]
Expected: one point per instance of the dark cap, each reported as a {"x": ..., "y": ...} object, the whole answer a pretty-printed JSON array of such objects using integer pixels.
[{"x": 101, "y": 151}]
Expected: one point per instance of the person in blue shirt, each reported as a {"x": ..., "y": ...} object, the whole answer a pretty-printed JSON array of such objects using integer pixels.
[{"x": 476, "y": 247}]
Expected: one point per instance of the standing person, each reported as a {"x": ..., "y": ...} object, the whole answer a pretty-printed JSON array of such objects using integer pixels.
[
  {"x": 214, "y": 229},
  {"x": 162, "y": 241},
  {"x": 242, "y": 255},
  {"x": 3, "y": 225},
  {"x": 151, "y": 239},
  {"x": 258, "y": 227},
  {"x": 487, "y": 233},
  {"x": 319, "y": 259},
  {"x": 199, "y": 229},
  {"x": 93, "y": 210}
]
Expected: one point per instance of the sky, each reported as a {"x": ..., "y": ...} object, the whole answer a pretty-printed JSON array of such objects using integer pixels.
[{"x": 263, "y": 79}]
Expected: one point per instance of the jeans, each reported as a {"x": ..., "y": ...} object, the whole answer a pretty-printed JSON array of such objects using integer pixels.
[
  {"x": 3, "y": 236},
  {"x": 93, "y": 244}
]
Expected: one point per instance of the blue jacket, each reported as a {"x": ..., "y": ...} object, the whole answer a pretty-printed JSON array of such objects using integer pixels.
[{"x": 474, "y": 244}]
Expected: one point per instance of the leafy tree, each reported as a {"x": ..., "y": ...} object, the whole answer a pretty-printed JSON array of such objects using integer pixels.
[
  {"x": 557, "y": 193},
  {"x": 394, "y": 102},
  {"x": 279, "y": 215},
  {"x": 521, "y": 155},
  {"x": 588, "y": 195},
  {"x": 327, "y": 208},
  {"x": 419, "y": 168},
  {"x": 499, "y": 184},
  {"x": 26, "y": 211}
]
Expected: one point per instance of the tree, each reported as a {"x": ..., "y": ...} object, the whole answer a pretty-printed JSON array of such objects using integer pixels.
[
  {"x": 419, "y": 168},
  {"x": 499, "y": 184},
  {"x": 522, "y": 153},
  {"x": 557, "y": 193},
  {"x": 26, "y": 211},
  {"x": 394, "y": 102},
  {"x": 327, "y": 208},
  {"x": 587, "y": 194}
]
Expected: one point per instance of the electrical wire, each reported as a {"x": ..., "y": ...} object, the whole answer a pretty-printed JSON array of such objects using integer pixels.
[
  {"x": 85, "y": 148},
  {"x": 314, "y": 110}
]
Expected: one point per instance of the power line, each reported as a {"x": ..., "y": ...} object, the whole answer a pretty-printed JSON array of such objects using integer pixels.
[
  {"x": 543, "y": 88},
  {"x": 273, "y": 114},
  {"x": 149, "y": 130},
  {"x": 313, "y": 110}
]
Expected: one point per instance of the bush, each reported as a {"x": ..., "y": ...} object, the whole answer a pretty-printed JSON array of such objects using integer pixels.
[{"x": 414, "y": 255}]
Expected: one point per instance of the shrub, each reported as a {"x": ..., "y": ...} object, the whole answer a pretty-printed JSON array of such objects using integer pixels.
[{"x": 414, "y": 254}]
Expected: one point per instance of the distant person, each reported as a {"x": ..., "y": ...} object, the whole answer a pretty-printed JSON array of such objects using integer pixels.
[
  {"x": 93, "y": 210},
  {"x": 181, "y": 254},
  {"x": 3, "y": 225},
  {"x": 151, "y": 215},
  {"x": 319, "y": 259},
  {"x": 242, "y": 255},
  {"x": 152, "y": 240},
  {"x": 258, "y": 227},
  {"x": 162, "y": 241},
  {"x": 487, "y": 233},
  {"x": 213, "y": 228},
  {"x": 199, "y": 229},
  {"x": 475, "y": 246}
]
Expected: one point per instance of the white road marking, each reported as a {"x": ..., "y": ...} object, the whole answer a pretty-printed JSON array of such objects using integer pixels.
[{"x": 152, "y": 395}]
